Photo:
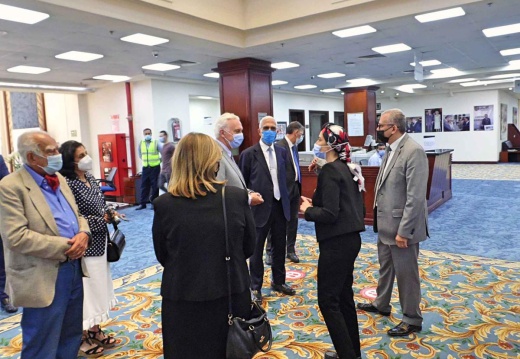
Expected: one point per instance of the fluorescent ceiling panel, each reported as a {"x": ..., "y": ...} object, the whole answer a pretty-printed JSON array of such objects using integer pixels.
[
  {"x": 462, "y": 80},
  {"x": 143, "y": 39},
  {"x": 354, "y": 31},
  {"x": 485, "y": 83},
  {"x": 443, "y": 73},
  {"x": 331, "y": 75},
  {"x": 213, "y": 75},
  {"x": 161, "y": 67},
  {"x": 34, "y": 70},
  {"x": 360, "y": 82},
  {"x": 79, "y": 56},
  {"x": 514, "y": 62},
  {"x": 44, "y": 87},
  {"x": 510, "y": 52},
  {"x": 409, "y": 88},
  {"x": 113, "y": 78},
  {"x": 18, "y": 14},
  {"x": 205, "y": 97},
  {"x": 388, "y": 49},
  {"x": 284, "y": 65},
  {"x": 305, "y": 87},
  {"x": 330, "y": 90},
  {"x": 278, "y": 82},
  {"x": 441, "y": 15},
  {"x": 504, "y": 76},
  {"x": 502, "y": 30},
  {"x": 428, "y": 63}
]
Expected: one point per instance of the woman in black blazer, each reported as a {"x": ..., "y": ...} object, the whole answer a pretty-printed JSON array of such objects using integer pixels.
[
  {"x": 189, "y": 241},
  {"x": 337, "y": 210}
]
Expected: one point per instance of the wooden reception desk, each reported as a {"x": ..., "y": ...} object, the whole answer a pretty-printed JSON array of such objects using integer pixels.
[{"x": 438, "y": 190}]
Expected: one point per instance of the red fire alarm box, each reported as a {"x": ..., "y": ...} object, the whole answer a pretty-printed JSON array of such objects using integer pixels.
[{"x": 113, "y": 154}]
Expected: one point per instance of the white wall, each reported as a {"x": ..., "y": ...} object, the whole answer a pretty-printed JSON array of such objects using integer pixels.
[
  {"x": 203, "y": 114},
  {"x": 62, "y": 116},
  {"x": 472, "y": 146}
]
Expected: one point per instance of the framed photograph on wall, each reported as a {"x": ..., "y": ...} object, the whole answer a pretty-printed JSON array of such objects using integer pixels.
[
  {"x": 503, "y": 122},
  {"x": 515, "y": 117},
  {"x": 433, "y": 119},
  {"x": 414, "y": 124},
  {"x": 483, "y": 118},
  {"x": 281, "y": 130}
]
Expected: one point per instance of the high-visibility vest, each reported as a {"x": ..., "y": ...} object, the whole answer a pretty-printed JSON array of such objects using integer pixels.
[{"x": 150, "y": 154}]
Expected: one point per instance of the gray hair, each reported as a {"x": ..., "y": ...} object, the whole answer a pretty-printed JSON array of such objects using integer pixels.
[
  {"x": 294, "y": 126},
  {"x": 221, "y": 122},
  {"x": 27, "y": 143},
  {"x": 265, "y": 118},
  {"x": 397, "y": 117}
]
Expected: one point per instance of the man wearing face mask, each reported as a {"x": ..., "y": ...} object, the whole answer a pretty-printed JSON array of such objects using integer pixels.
[
  {"x": 377, "y": 158},
  {"x": 264, "y": 169},
  {"x": 149, "y": 154},
  {"x": 45, "y": 239},
  {"x": 167, "y": 149},
  {"x": 229, "y": 135},
  {"x": 401, "y": 221},
  {"x": 290, "y": 142}
]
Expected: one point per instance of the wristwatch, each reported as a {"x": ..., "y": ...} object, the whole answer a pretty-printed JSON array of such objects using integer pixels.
[{"x": 89, "y": 238}]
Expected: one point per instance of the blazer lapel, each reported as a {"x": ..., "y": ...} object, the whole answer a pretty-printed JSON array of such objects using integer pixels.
[
  {"x": 259, "y": 154},
  {"x": 39, "y": 201},
  {"x": 235, "y": 168},
  {"x": 394, "y": 159}
]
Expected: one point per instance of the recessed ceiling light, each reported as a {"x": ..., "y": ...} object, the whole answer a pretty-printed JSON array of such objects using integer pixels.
[
  {"x": 382, "y": 91},
  {"x": 44, "y": 87},
  {"x": 462, "y": 80},
  {"x": 510, "y": 52},
  {"x": 161, "y": 67},
  {"x": 441, "y": 15},
  {"x": 397, "y": 93},
  {"x": 504, "y": 76},
  {"x": 442, "y": 73},
  {"x": 510, "y": 89},
  {"x": 331, "y": 75},
  {"x": 305, "y": 87},
  {"x": 284, "y": 65},
  {"x": 205, "y": 97},
  {"x": 485, "y": 83},
  {"x": 17, "y": 14},
  {"x": 330, "y": 90},
  {"x": 34, "y": 70},
  {"x": 354, "y": 31},
  {"x": 388, "y": 49},
  {"x": 278, "y": 82},
  {"x": 360, "y": 82},
  {"x": 502, "y": 30},
  {"x": 409, "y": 88},
  {"x": 78, "y": 56},
  {"x": 213, "y": 75},
  {"x": 428, "y": 63},
  {"x": 113, "y": 78},
  {"x": 143, "y": 39}
]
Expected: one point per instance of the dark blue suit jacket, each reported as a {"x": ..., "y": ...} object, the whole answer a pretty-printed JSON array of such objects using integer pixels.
[
  {"x": 258, "y": 178},
  {"x": 3, "y": 168}
]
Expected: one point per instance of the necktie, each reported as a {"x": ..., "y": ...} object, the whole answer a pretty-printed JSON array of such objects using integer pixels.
[
  {"x": 274, "y": 176},
  {"x": 296, "y": 162},
  {"x": 53, "y": 181}
]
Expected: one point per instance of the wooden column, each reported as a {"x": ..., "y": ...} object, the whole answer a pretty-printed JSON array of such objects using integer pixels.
[
  {"x": 361, "y": 99},
  {"x": 245, "y": 90}
]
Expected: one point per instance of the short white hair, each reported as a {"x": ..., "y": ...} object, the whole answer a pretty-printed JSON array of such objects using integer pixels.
[
  {"x": 221, "y": 122},
  {"x": 27, "y": 143},
  {"x": 264, "y": 119}
]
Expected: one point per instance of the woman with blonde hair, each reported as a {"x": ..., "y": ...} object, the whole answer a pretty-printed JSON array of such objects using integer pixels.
[{"x": 189, "y": 242}]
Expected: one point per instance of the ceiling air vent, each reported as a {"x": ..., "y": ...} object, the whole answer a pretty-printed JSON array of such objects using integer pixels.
[
  {"x": 373, "y": 56},
  {"x": 408, "y": 71},
  {"x": 183, "y": 63}
]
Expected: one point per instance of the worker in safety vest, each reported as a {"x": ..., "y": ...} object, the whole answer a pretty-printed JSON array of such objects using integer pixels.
[{"x": 150, "y": 156}]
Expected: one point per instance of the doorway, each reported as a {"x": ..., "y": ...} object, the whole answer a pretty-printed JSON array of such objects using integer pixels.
[
  {"x": 316, "y": 121},
  {"x": 298, "y": 115}
]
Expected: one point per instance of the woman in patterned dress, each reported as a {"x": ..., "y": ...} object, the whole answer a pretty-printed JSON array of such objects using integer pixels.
[{"x": 99, "y": 294}]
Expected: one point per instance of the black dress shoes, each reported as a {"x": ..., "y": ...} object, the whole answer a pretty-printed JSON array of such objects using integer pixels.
[
  {"x": 331, "y": 355},
  {"x": 404, "y": 329},
  {"x": 140, "y": 207},
  {"x": 369, "y": 307},
  {"x": 7, "y": 306},
  {"x": 268, "y": 259},
  {"x": 293, "y": 257},
  {"x": 284, "y": 288},
  {"x": 257, "y": 295}
]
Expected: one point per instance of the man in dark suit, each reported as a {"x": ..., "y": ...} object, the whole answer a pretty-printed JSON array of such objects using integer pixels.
[
  {"x": 401, "y": 221},
  {"x": 290, "y": 142},
  {"x": 264, "y": 169}
]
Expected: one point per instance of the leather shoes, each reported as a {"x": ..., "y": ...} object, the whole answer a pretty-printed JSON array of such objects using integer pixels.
[
  {"x": 268, "y": 259},
  {"x": 293, "y": 257},
  {"x": 403, "y": 329},
  {"x": 257, "y": 295},
  {"x": 284, "y": 288},
  {"x": 369, "y": 307},
  {"x": 331, "y": 355},
  {"x": 140, "y": 207},
  {"x": 7, "y": 306}
]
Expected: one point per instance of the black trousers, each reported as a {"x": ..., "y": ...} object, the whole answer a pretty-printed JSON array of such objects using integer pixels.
[
  {"x": 277, "y": 225},
  {"x": 335, "y": 295},
  {"x": 292, "y": 227},
  {"x": 149, "y": 189},
  {"x": 198, "y": 330}
]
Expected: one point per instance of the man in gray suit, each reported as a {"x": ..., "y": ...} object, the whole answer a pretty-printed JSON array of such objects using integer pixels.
[
  {"x": 400, "y": 221},
  {"x": 229, "y": 135}
]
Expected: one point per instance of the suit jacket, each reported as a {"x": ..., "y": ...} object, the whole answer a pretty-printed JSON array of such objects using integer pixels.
[
  {"x": 3, "y": 168},
  {"x": 230, "y": 172},
  {"x": 337, "y": 203},
  {"x": 401, "y": 195},
  {"x": 33, "y": 247},
  {"x": 189, "y": 242},
  {"x": 293, "y": 187},
  {"x": 256, "y": 173}
]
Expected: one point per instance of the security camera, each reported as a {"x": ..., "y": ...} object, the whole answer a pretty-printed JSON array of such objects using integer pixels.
[{"x": 155, "y": 54}]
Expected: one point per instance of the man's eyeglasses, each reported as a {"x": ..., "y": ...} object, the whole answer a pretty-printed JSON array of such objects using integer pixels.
[{"x": 379, "y": 126}]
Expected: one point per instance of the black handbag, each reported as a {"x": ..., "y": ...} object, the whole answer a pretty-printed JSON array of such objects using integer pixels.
[
  {"x": 246, "y": 337},
  {"x": 116, "y": 244}
]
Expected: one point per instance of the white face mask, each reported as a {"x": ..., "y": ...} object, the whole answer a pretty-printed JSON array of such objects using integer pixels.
[{"x": 85, "y": 164}]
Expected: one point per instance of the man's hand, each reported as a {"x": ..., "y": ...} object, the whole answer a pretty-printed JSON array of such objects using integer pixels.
[
  {"x": 79, "y": 244},
  {"x": 401, "y": 241},
  {"x": 256, "y": 198},
  {"x": 306, "y": 203}
]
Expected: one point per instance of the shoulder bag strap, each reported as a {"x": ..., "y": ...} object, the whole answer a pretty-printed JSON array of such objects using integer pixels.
[{"x": 228, "y": 258}]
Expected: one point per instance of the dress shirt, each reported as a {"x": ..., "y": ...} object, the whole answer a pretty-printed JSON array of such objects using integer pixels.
[
  {"x": 60, "y": 207},
  {"x": 273, "y": 166},
  {"x": 296, "y": 169},
  {"x": 393, "y": 147},
  {"x": 375, "y": 160}
]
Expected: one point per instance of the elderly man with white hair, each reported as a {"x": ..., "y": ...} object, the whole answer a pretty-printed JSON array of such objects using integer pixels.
[{"x": 44, "y": 239}]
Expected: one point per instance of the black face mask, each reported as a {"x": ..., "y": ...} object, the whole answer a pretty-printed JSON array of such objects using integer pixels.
[{"x": 381, "y": 136}]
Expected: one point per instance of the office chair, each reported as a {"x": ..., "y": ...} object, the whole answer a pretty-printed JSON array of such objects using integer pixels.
[{"x": 109, "y": 184}]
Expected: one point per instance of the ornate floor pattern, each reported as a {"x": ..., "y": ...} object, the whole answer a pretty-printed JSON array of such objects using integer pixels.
[{"x": 499, "y": 171}]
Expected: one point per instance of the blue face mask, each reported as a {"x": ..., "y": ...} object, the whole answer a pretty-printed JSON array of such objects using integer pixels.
[
  {"x": 268, "y": 137},
  {"x": 299, "y": 140},
  {"x": 54, "y": 164},
  {"x": 381, "y": 153},
  {"x": 161, "y": 139},
  {"x": 318, "y": 153},
  {"x": 237, "y": 140},
  {"x": 148, "y": 137}
]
